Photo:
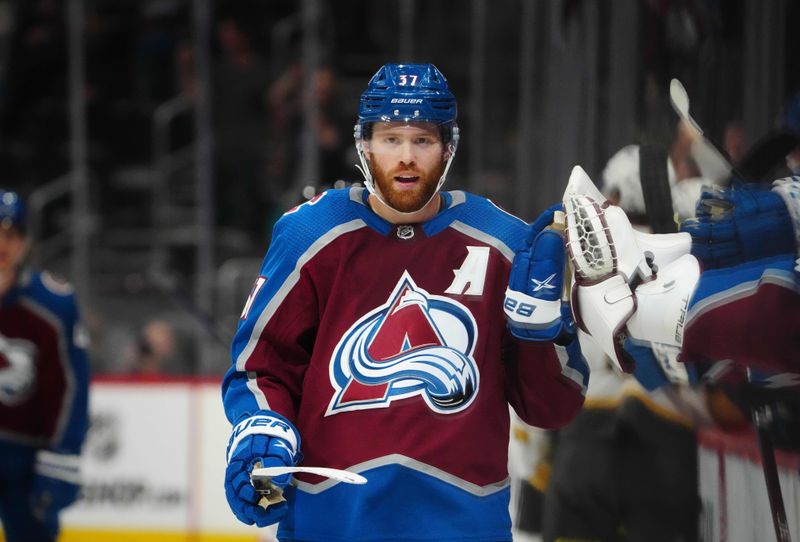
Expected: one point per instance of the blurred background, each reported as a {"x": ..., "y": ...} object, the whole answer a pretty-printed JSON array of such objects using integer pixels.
[{"x": 158, "y": 140}]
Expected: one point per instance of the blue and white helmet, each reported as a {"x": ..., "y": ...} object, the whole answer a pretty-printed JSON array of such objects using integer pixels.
[
  {"x": 12, "y": 211},
  {"x": 407, "y": 93}
]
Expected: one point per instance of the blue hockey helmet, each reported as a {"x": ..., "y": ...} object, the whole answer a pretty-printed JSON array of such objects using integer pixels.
[
  {"x": 12, "y": 211},
  {"x": 407, "y": 93}
]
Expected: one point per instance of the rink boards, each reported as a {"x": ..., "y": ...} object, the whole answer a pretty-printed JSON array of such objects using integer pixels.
[
  {"x": 734, "y": 492},
  {"x": 154, "y": 466}
]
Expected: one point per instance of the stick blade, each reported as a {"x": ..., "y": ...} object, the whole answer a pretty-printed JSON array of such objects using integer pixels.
[
  {"x": 679, "y": 98},
  {"x": 267, "y": 473},
  {"x": 680, "y": 103}
]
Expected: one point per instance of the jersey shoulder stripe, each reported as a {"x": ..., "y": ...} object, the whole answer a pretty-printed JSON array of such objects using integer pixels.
[
  {"x": 297, "y": 237},
  {"x": 481, "y": 219}
]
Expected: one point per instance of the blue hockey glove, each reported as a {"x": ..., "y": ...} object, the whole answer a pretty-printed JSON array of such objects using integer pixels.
[
  {"x": 657, "y": 365},
  {"x": 56, "y": 484},
  {"x": 532, "y": 304},
  {"x": 265, "y": 439},
  {"x": 738, "y": 225}
]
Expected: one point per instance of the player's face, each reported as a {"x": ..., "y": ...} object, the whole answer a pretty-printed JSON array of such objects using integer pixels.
[
  {"x": 13, "y": 246},
  {"x": 407, "y": 161}
]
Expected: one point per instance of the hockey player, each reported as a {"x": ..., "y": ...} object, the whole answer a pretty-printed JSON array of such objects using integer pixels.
[
  {"x": 44, "y": 376},
  {"x": 376, "y": 333}
]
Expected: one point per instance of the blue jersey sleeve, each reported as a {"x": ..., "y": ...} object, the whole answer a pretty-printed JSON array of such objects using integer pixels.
[{"x": 58, "y": 299}]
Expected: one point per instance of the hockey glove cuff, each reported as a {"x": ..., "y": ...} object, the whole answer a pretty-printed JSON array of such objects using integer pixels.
[{"x": 56, "y": 483}]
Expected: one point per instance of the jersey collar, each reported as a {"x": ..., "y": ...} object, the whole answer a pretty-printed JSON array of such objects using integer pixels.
[{"x": 433, "y": 226}]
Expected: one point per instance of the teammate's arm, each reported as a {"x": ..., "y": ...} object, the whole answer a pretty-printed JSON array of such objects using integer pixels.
[{"x": 57, "y": 476}]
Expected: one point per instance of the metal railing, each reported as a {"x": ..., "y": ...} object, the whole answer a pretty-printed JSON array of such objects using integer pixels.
[{"x": 44, "y": 250}]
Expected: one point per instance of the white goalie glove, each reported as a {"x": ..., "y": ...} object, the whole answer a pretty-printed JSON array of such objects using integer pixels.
[{"x": 626, "y": 283}]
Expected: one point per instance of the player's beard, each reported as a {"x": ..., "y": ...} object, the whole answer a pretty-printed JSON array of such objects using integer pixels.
[{"x": 407, "y": 201}]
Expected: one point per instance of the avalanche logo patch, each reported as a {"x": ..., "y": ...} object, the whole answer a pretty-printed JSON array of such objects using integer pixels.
[
  {"x": 17, "y": 370},
  {"x": 416, "y": 344}
]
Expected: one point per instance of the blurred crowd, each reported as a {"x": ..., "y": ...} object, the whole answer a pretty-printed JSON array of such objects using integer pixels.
[
  {"x": 140, "y": 63},
  {"x": 140, "y": 55}
]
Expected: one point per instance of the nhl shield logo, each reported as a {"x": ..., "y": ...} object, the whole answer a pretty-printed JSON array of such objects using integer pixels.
[{"x": 416, "y": 344}]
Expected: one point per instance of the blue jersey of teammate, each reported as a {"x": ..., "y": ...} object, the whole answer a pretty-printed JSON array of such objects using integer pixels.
[{"x": 44, "y": 380}]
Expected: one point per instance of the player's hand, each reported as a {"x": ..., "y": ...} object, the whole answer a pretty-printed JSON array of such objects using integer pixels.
[
  {"x": 267, "y": 439},
  {"x": 55, "y": 484},
  {"x": 657, "y": 365},
  {"x": 739, "y": 224},
  {"x": 532, "y": 304}
]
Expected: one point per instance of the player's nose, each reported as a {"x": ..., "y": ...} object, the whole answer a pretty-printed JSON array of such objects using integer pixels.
[{"x": 407, "y": 154}]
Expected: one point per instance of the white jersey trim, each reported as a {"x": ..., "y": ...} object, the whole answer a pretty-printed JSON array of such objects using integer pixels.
[
  {"x": 59, "y": 466},
  {"x": 356, "y": 194},
  {"x": 457, "y": 197},
  {"x": 566, "y": 370},
  {"x": 740, "y": 291},
  {"x": 413, "y": 464}
]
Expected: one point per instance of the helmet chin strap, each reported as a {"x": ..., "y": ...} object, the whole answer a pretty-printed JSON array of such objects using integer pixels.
[{"x": 373, "y": 189}]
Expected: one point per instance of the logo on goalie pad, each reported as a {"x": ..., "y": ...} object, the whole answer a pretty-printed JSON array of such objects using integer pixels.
[{"x": 416, "y": 344}]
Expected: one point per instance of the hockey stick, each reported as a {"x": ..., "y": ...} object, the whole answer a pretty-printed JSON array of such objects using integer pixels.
[
  {"x": 655, "y": 188},
  {"x": 339, "y": 475},
  {"x": 271, "y": 494},
  {"x": 762, "y": 414},
  {"x": 761, "y": 417},
  {"x": 762, "y": 156},
  {"x": 714, "y": 166}
]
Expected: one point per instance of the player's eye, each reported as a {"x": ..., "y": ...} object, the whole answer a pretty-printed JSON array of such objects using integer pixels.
[
  {"x": 424, "y": 141},
  {"x": 391, "y": 140}
]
